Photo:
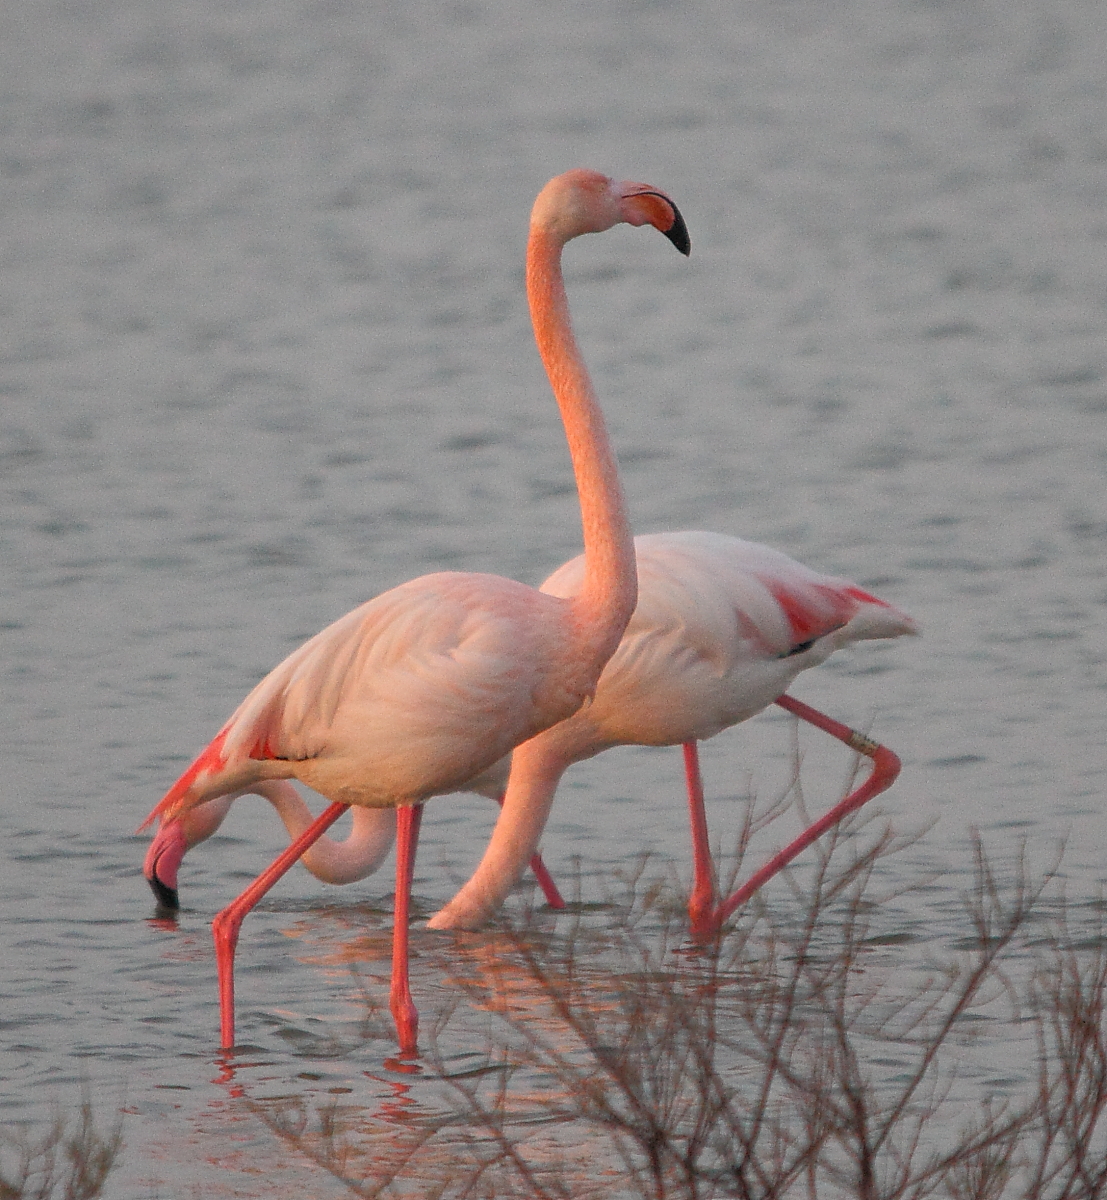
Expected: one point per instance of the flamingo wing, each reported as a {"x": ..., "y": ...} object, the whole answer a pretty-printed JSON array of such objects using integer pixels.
[
  {"x": 405, "y": 697},
  {"x": 721, "y": 629}
]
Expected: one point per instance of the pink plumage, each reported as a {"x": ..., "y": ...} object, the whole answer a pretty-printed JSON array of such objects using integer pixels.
[
  {"x": 416, "y": 691},
  {"x": 722, "y": 628},
  {"x": 406, "y": 697}
]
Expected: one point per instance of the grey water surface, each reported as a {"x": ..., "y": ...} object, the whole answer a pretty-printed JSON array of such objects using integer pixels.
[{"x": 264, "y": 353}]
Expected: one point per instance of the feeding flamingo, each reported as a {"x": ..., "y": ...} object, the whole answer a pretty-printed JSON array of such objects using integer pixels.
[
  {"x": 418, "y": 690},
  {"x": 721, "y": 628}
]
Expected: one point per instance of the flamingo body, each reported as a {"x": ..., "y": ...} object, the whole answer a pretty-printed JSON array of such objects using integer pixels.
[
  {"x": 404, "y": 698},
  {"x": 722, "y": 628},
  {"x": 418, "y": 690}
]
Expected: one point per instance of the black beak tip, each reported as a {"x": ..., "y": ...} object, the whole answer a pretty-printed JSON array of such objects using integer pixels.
[
  {"x": 165, "y": 896},
  {"x": 677, "y": 233}
]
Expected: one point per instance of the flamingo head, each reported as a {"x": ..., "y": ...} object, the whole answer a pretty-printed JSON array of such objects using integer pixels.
[
  {"x": 582, "y": 201},
  {"x": 162, "y": 860}
]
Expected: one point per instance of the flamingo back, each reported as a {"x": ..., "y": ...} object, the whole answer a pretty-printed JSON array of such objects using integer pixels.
[
  {"x": 405, "y": 697},
  {"x": 722, "y": 628}
]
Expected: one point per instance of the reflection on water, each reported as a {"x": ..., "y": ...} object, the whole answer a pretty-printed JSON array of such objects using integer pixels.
[{"x": 264, "y": 353}]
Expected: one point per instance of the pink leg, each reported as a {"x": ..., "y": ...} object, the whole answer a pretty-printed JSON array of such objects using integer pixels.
[
  {"x": 404, "y": 1012},
  {"x": 226, "y": 924},
  {"x": 546, "y": 882},
  {"x": 701, "y": 903},
  {"x": 545, "y": 879},
  {"x": 886, "y": 767}
]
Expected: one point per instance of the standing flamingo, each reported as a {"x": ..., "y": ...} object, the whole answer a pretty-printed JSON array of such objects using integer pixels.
[
  {"x": 721, "y": 629},
  {"x": 421, "y": 688}
]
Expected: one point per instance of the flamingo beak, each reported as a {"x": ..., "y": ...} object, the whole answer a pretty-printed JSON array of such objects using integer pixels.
[
  {"x": 162, "y": 860},
  {"x": 646, "y": 206}
]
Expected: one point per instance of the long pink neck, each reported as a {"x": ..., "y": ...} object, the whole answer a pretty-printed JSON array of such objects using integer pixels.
[
  {"x": 610, "y": 590},
  {"x": 531, "y": 787},
  {"x": 330, "y": 861}
]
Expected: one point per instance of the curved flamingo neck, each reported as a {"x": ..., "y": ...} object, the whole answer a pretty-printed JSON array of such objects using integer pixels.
[
  {"x": 337, "y": 862},
  {"x": 610, "y": 591}
]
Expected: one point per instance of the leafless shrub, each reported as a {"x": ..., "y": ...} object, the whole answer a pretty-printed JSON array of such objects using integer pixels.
[
  {"x": 70, "y": 1161},
  {"x": 1067, "y": 993},
  {"x": 812, "y": 1052}
]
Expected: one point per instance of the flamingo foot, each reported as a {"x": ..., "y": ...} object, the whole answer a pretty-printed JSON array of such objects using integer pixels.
[
  {"x": 406, "y": 1017},
  {"x": 703, "y": 925},
  {"x": 886, "y": 766}
]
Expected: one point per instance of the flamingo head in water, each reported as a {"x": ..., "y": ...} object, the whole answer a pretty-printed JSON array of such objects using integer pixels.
[{"x": 163, "y": 858}]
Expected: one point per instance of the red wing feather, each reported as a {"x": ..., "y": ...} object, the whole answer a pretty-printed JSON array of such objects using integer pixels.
[{"x": 209, "y": 759}]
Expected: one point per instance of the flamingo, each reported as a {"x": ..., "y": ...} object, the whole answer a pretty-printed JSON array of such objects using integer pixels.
[
  {"x": 721, "y": 629},
  {"x": 418, "y": 690}
]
